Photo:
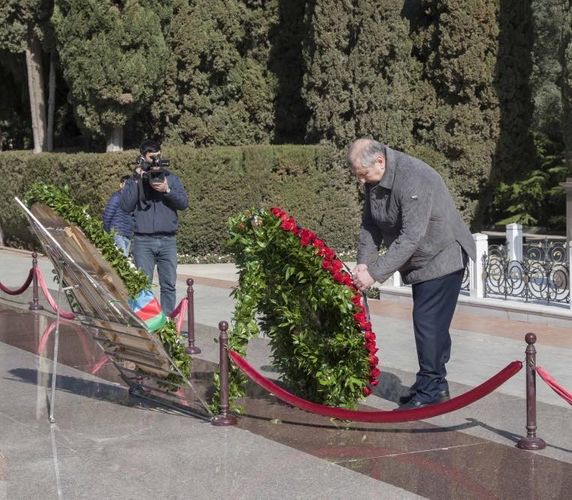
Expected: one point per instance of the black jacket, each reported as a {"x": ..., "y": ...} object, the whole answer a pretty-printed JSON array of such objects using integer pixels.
[{"x": 155, "y": 212}]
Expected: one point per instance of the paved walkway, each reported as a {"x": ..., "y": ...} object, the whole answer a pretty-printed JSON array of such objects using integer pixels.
[{"x": 466, "y": 454}]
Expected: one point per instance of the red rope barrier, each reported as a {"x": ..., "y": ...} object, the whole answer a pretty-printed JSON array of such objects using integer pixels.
[
  {"x": 551, "y": 382},
  {"x": 379, "y": 416},
  {"x": 99, "y": 365},
  {"x": 45, "y": 337},
  {"x": 20, "y": 290},
  {"x": 180, "y": 312},
  {"x": 52, "y": 302}
]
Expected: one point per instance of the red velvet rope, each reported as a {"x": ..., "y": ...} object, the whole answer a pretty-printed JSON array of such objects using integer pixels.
[
  {"x": 22, "y": 289},
  {"x": 557, "y": 388},
  {"x": 99, "y": 364},
  {"x": 180, "y": 312},
  {"x": 379, "y": 416},
  {"x": 52, "y": 302},
  {"x": 45, "y": 337}
]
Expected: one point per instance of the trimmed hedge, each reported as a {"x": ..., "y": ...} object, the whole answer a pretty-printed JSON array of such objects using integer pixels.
[{"x": 310, "y": 182}]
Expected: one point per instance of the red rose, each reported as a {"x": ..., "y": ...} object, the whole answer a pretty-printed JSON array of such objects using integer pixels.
[
  {"x": 278, "y": 212},
  {"x": 374, "y": 374},
  {"x": 365, "y": 326},
  {"x": 339, "y": 277},
  {"x": 337, "y": 265},
  {"x": 366, "y": 391},
  {"x": 307, "y": 237},
  {"x": 373, "y": 360},
  {"x": 360, "y": 317},
  {"x": 356, "y": 299},
  {"x": 369, "y": 336},
  {"x": 348, "y": 280},
  {"x": 372, "y": 349},
  {"x": 319, "y": 244},
  {"x": 327, "y": 265},
  {"x": 329, "y": 253},
  {"x": 289, "y": 224},
  {"x": 374, "y": 382}
]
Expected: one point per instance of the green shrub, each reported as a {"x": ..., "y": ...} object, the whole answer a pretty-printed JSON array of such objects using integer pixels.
[{"x": 308, "y": 181}]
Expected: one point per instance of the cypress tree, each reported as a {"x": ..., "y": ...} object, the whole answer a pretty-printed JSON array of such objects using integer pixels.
[
  {"x": 567, "y": 83},
  {"x": 457, "y": 43},
  {"x": 549, "y": 18},
  {"x": 515, "y": 150},
  {"x": 328, "y": 84},
  {"x": 390, "y": 100},
  {"x": 113, "y": 55},
  {"x": 287, "y": 64},
  {"x": 219, "y": 89}
]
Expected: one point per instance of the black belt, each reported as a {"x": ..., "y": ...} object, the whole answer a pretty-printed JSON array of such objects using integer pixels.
[{"x": 155, "y": 235}]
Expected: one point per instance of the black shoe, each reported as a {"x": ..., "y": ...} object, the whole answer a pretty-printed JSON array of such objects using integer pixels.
[
  {"x": 411, "y": 405},
  {"x": 441, "y": 397},
  {"x": 405, "y": 399}
]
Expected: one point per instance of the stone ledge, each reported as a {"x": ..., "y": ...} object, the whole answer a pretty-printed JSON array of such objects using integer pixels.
[{"x": 552, "y": 315}]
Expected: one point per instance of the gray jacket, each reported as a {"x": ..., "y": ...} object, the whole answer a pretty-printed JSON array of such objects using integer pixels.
[{"x": 412, "y": 213}]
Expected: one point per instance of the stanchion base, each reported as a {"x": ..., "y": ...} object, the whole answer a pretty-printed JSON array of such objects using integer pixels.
[
  {"x": 531, "y": 443},
  {"x": 193, "y": 350},
  {"x": 35, "y": 307},
  {"x": 221, "y": 420}
]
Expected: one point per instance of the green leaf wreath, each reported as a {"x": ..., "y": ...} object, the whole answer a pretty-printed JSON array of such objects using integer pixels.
[
  {"x": 135, "y": 281},
  {"x": 294, "y": 288}
]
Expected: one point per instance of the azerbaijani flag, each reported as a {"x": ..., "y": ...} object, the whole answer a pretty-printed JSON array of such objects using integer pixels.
[{"x": 147, "y": 308}]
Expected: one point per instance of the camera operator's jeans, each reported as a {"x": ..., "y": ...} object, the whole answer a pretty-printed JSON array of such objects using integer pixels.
[
  {"x": 149, "y": 251},
  {"x": 123, "y": 243}
]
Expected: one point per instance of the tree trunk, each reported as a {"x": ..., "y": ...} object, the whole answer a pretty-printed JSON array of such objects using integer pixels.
[
  {"x": 51, "y": 101},
  {"x": 115, "y": 140},
  {"x": 36, "y": 91}
]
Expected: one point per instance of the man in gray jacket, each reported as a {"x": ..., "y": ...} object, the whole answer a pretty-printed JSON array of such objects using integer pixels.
[{"x": 409, "y": 210}]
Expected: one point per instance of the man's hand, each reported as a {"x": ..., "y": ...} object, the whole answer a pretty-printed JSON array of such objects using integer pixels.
[
  {"x": 162, "y": 187},
  {"x": 362, "y": 278},
  {"x": 358, "y": 268}
]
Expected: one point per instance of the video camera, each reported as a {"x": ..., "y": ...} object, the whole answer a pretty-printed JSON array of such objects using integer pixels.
[{"x": 153, "y": 172}]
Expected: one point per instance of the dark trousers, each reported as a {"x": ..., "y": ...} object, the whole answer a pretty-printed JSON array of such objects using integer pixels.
[{"x": 434, "y": 303}]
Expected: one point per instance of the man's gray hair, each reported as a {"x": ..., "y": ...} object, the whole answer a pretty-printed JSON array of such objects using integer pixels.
[{"x": 365, "y": 151}]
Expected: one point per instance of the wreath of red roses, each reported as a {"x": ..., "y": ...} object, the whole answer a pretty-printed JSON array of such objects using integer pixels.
[{"x": 335, "y": 267}]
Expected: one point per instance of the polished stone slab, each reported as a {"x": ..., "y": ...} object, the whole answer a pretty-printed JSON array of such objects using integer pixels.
[
  {"x": 103, "y": 436},
  {"x": 106, "y": 444}
]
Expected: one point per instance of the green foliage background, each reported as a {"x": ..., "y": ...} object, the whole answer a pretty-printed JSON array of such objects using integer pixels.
[
  {"x": 113, "y": 58},
  {"x": 480, "y": 89},
  {"x": 310, "y": 182}
]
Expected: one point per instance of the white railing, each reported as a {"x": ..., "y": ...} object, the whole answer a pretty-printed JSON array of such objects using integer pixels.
[{"x": 524, "y": 267}]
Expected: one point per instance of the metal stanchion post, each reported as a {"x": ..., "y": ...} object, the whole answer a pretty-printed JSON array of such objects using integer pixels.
[
  {"x": 191, "y": 349},
  {"x": 225, "y": 417},
  {"x": 35, "y": 304},
  {"x": 531, "y": 442}
]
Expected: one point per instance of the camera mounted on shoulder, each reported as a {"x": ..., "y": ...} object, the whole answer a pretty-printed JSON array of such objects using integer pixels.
[{"x": 153, "y": 167}]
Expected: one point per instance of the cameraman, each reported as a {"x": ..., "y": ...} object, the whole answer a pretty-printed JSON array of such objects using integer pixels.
[{"x": 155, "y": 195}]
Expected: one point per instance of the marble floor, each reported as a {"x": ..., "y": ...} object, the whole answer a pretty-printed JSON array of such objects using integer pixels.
[{"x": 108, "y": 444}]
